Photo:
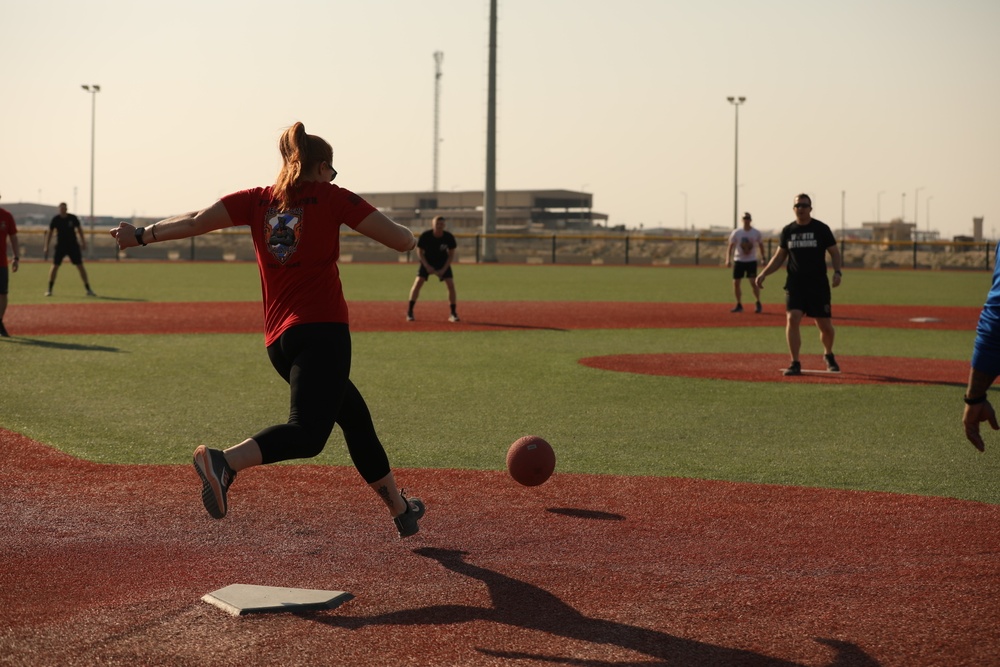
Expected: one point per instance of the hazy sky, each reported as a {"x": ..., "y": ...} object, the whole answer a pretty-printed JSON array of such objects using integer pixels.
[{"x": 626, "y": 100}]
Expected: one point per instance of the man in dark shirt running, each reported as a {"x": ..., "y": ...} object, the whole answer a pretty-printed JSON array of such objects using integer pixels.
[
  {"x": 436, "y": 251},
  {"x": 805, "y": 243},
  {"x": 66, "y": 226}
]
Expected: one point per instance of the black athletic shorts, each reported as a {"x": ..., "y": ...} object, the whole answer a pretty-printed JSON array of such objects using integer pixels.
[
  {"x": 3, "y": 280},
  {"x": 811, "y": 298},
  {"x": 422, "y": 272},
  {"x": 73, "y": 252},
  {"x": 744, "y": 269}
]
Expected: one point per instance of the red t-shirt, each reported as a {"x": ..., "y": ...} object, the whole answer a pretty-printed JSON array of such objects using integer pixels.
[
  {"x": 297, "y": 250},
  {"x": 7, "y": 228}
]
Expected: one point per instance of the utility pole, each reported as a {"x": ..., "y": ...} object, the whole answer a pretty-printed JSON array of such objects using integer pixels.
[
  {"x": 490, "y": 191},
  {"x": 438, "y": 59}
]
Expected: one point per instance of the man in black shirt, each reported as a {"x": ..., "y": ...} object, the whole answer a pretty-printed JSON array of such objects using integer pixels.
[
  {"x": 66, "y": 226},
  {"x": 436, "y": 251},
  {"x": 805, "y": 243}
]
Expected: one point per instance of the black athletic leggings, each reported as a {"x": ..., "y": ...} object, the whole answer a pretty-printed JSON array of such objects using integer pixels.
[{"x": 315, "y": 360}]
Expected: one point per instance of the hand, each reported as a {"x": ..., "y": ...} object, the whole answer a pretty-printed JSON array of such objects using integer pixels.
[
  {"x": 836, "y": 279},
  {"x": 759, "y": 282},
  {"x": 973, "y": 415},
  {"x": 125, "y": 235},
  {"x": 13, "y": 264}
]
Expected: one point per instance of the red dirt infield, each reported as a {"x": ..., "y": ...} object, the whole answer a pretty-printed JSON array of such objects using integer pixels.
[
  {"x": 106, "y": 564},
  {"x": 98, "y": 317}
]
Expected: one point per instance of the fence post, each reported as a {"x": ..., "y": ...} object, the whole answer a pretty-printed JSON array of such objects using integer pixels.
[
  {"x": 553, "y": 248},
  {"x": 478, "y": 239},
  {"x": 914, "y": 253},
  {"x": 697, "y": 249},
  {"x": 626, "y": 249}
]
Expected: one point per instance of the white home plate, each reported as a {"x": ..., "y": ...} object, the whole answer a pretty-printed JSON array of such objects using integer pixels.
[
  {"x": 239, "y": 599},
  {"x": 925, "y": 320}
]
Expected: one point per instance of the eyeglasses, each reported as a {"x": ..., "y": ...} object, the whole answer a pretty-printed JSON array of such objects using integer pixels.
[{"x": 803, "y": 206}]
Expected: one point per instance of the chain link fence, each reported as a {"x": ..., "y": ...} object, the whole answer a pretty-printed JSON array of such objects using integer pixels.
[{"x": 551, "y": 248}]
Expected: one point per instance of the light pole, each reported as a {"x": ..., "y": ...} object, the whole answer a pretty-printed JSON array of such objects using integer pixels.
[
  {"x": 685, "y": 209},
  {"x": 929, "y": 215},
  {"x": 843, "y": 203},
  {"x": 438, "y": 59},
  {"x": 916, "y": 201},
  {"x": 490, "y": 188},
  {"x": 736, "y": 102},
  {"x": 93, "y": 89},
  {"x": 878, "y": 206}
]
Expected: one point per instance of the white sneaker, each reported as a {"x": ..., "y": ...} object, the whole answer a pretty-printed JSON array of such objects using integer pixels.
[{"x": 454, "y": 318}]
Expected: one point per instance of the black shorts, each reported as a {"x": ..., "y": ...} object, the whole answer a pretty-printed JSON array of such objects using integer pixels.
[
  {"x": 811, "y": 298},
  {"x": 73, "y": 252},
  {"x": 422, "y": 272},
  {"x": 744, "y": 269},
  {"x": 3, "y": 279}
]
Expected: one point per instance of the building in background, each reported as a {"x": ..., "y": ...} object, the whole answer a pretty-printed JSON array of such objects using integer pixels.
[{"x": 517, "y": 210}]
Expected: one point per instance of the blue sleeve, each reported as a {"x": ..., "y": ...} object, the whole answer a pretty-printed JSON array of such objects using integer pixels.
[{"x": 986, "y": 349}]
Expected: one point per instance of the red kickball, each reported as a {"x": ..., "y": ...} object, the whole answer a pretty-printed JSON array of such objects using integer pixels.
[{"x": 530, "y": 460}]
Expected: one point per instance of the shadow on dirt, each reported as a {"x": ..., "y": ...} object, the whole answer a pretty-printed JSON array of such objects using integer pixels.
[{"x": 523, "y": 605}]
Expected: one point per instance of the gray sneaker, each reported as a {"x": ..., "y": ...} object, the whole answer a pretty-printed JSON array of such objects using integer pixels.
[
  {"x": 406, "y": 523},
  {"x": 795, "y": 368},
  {"x": 216, "y": 478}
]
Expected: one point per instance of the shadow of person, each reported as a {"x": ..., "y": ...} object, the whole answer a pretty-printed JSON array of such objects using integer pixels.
[
  {"x": 523, "y": 605},
  {"x": 56, "y": 345}
]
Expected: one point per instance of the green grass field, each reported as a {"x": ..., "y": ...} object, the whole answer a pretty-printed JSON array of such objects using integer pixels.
[{"x": 457, "y": 400}]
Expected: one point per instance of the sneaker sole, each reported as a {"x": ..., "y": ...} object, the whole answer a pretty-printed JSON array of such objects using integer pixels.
[{"x": 211, "y": 491}]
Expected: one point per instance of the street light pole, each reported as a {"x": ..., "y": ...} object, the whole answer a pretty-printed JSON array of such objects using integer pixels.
[
  {"x": 916, "y": 201},
  {"x": 93, "y": 89},
  {"x": 929, "y": 215},
  {"x": 878, "y": 206},
  {"x": 736, "y": 102}
]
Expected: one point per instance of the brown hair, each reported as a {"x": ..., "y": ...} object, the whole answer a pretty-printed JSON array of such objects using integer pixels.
[{"x": 300, "y": 153}]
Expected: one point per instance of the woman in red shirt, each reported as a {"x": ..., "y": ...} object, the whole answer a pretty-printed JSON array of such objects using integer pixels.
[{"x": 295, "y": 225}]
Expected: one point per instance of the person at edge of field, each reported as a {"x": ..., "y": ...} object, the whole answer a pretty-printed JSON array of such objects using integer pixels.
[
  {"x": 67, "y": 227},
  {"x": 746, "y": 243},
  {"x": 985, "y": 364},
  {"x": 805, "y": 243},
  {"x": 295, "y": 226},
  {"x": 8, "y": 230},
  {"x": 436, "y": 252}
]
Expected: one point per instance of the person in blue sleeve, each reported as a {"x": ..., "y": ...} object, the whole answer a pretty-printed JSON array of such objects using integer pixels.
[{"x": 985, "y": 364}]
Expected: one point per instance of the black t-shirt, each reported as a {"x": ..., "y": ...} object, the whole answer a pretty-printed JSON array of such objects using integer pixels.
[
  {"x": 65, "y": 230},
  {"x": 436, "y": 247},
  {"x": 807, "y": 246}
]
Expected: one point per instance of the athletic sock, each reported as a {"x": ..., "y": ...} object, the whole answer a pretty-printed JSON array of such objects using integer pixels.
[
  {"x": 453, "y": 310},
  {"x": 412, "y": 304}
]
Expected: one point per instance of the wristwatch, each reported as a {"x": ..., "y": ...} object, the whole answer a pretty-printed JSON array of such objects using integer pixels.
[{"x": 139, "y": 231}]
